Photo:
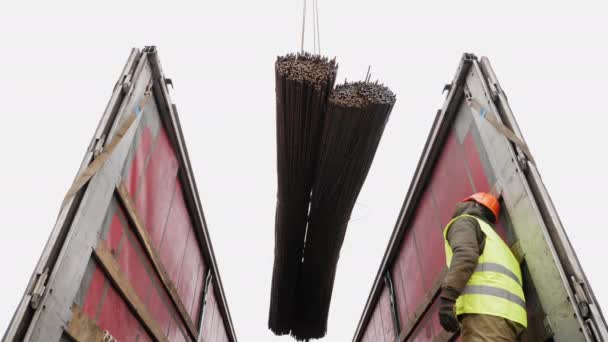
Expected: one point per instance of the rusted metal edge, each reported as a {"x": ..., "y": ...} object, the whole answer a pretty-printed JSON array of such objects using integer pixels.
[
  {"x": 154, "y": 256},
  {"x": 112, "y": 269},
  {"x": 431, "y": 150},
  {"x": 170, "y": 120},
  {"x": 82, "y": 329},
  {"x": 423, "y": 307}
]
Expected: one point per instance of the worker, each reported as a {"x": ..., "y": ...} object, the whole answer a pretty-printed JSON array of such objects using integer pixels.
[{"x": 482, "y": 292}]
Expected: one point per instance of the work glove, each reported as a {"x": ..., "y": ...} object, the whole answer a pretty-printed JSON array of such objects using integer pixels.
[{"x": 447, "y": 315}]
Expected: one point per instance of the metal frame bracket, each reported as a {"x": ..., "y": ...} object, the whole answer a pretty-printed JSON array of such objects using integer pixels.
[{"x": 38, "y": 289}]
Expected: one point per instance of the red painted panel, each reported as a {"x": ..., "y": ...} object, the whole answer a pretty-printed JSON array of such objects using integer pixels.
[
  {"x": 412, "y": 274},
  {"x": 209, "y": 316},
  {"x": 424, "y": 332},
  {"x": 197, "y": 303},
  {"x": 388, "y": 327},
  {"x": 177, "y": 332},
  {"x": 173, "y": 244},
  {"x": 142, "y": 149},
  {"x": 116, "y": 317},
  {"x": 478, "y": 174},
  {"x": 134, "y": 265},
  {"x": 450, "y": 182},
  {"x": 220, "y": 329},
  {"x": 153, "y": 199},
  {"x": 399, "y": 286},
  {"x": 190, "y": 278},
  {"x": 115, "y": 231},
  {"x": 158, "y": 305},
  {"x": 378, "y": 324},
  {"x": 131, "y": 257},
  {"x": 475, "y": 166},
  {"x": 429, "y": 240},
  {"x": 433, "y": 317},
  {"x": 372, "y": 328},
  {"x": 94, "y": 293}
]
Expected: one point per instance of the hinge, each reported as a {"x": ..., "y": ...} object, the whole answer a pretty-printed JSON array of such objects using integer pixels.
[
  {"x": 580, "y": 297},
  {"x": 522, "y": 160},
  {"x": 125, "y": 83},
  {"x": 38, "y": 290},
  {"x": 99, "y": 146},
  {"x": 587, "y": 310}
]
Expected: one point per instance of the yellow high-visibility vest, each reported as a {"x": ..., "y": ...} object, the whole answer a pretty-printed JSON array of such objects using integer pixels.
[{"x": 495, "y": 287}]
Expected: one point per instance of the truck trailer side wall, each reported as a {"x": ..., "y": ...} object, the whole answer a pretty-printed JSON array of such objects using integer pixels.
[
  {"x": 132, "y": 260},
  {"x": 464, "y": 154}
]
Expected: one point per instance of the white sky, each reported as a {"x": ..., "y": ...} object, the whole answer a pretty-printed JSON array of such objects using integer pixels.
[{"x": 59, "y": 62}]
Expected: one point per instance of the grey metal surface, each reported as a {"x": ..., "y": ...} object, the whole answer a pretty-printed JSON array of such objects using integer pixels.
[{"x": 532, "y": 219}]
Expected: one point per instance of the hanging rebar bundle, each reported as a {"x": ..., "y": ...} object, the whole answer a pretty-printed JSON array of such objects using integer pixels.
[
  {"x": 303, "y": 85},
  {"x": 356, "y": 116}
]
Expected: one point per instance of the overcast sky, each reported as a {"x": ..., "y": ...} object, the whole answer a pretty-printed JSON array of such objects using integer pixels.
[{"x": 59, "y": 62}]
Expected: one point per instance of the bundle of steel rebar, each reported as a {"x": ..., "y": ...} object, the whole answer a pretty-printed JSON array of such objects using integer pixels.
[
  {"x": 356, "y": 116},
  {"x": 303, "y": 85}
]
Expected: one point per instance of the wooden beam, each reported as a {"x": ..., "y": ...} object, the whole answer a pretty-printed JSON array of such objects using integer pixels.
[
  {"x": 81, "y": 328},
  {"x": 110, "y": 265},
  {"x": 154, "y": 256}
]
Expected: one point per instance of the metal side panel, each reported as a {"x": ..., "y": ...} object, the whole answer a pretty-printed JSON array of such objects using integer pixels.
[
  {"x": 432, "y": 149},
  {"x": 465, "y": 153},
  {"x": 546, "y": 273},
  {"x": 151, "y": 166},
  {"x": 186, "y": 176},
  {"x": 588, "y": 308},
  {"x": 54, "y": 311},
  {"x": 24, "y": 312}
]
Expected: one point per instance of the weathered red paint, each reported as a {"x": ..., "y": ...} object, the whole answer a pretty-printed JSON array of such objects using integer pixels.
[
  {"x": 94, "y": 293},
  {"x": 427, "y": 327},
  {"x": 399, "y": 285},
  {"x": 140, "y": 154},
  {"x": 412, "y": 274},
  {"x": 429, "y": 241},
  {"x": 197, "y": 300},
  {"x": 104, "y": 305},
  {"x": 155, "y": 194},
  {"x": 478, "y": 174},
  {"x": 159, "y": 305},
  {"x": 388, "y": 326},
  {"x": 173, "y": 243}
]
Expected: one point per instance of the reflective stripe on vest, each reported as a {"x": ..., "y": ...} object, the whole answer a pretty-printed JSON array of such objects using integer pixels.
[{"x": 495, "y": 287}]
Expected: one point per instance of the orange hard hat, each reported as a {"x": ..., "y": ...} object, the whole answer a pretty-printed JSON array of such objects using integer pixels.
[{"x": 487, "y": 200}]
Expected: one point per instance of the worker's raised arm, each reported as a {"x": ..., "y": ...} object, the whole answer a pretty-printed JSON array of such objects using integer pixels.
[{"x": 466, "y": 240}]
